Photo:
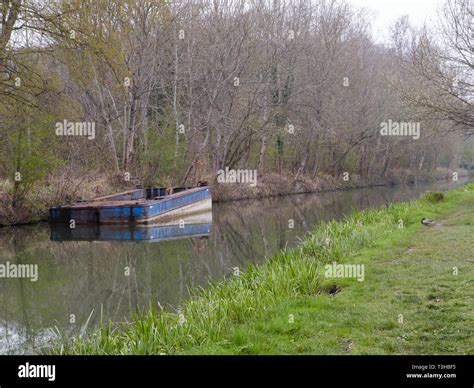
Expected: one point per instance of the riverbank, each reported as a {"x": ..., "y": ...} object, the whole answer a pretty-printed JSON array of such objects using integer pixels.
[
  {"x": 286, "y": 305},
  {"x": 276, "y": 185},
  {"x": 34, "y": 203}
]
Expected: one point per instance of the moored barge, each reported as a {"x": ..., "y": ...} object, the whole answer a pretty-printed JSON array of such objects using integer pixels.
[{"x": 139, "y": 206}]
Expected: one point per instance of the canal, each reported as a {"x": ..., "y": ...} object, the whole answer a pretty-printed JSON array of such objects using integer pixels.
[{"x": 86, "y": 275}]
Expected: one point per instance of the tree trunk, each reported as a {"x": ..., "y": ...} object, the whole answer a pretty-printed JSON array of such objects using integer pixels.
[
  {"x": 129, "y": 142},
  {"x": 261, "y": 156}
]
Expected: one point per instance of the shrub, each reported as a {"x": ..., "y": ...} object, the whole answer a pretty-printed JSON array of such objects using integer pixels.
[{"x": 433, "y": 197}]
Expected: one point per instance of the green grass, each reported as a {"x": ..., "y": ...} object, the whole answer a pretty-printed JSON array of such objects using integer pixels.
[{"x": 408, "y": 271}]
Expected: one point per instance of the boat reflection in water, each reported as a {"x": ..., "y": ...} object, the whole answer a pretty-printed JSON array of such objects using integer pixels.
[{"x": 194, "y": 225}]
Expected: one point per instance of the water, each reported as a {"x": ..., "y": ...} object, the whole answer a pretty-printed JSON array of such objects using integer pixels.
[{"x": 77, "y": 278}]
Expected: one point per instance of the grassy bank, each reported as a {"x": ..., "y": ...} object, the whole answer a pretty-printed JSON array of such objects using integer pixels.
[{"x": 409, "y": 302}]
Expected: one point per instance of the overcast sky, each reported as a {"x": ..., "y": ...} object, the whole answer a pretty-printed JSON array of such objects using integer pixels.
[{"x": 385, "y": 12}]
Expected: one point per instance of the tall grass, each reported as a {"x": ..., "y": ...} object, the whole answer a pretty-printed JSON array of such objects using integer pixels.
[{"x": 290, "y": 273}]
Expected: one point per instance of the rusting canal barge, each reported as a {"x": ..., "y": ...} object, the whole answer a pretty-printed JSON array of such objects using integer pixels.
[{"x": 139, "y": 206}]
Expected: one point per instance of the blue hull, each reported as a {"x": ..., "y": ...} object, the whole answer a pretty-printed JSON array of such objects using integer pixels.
[{"x": 136, "y": 206}]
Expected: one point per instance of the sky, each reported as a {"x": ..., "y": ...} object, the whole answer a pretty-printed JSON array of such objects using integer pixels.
[{"x": 386, "y": 12}]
